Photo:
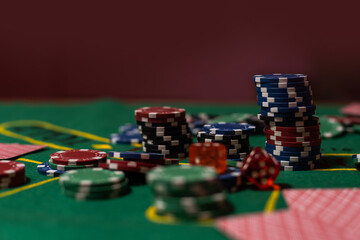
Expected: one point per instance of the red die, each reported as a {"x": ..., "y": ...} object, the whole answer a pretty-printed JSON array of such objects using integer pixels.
[
  {"x": 261, "y": 168},
  {"x": 209, "y": 154}
]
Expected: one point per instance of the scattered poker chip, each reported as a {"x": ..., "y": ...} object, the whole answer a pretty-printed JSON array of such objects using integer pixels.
[
  {"x": 293, "y": 153},
  {"x": 10, "y": 168},
  {"x": 292, "y": 134},
  {"x": 159, "y": 120},
  {"x": 298, "y": 159},
  {"x": 184, "y": 137},
  {"x": 183, "y": 180},
  {"x": 136, "y": 155},
  {"x": 282, "y": 90},
  {"x": 92, "y": 196},
  {"x": 166, "y": 161},
  {"x": 283, "y": 99},
  {"x": 356, "y": 160},
  {"x": 229, "y": 128},
  {"x": 297, "y": 168},
  {"x": 293, "y": 129},
  {"x": 279, "y": 78},
  {"x": 301, "y": 109},
  {"x": 306, "y": 94},
  {"x": 286, "y": 114},
  {"x": 306, "y": 123},
  {"x": 293, "y": 139},
  {"x": 99, "y": 188},
  {"x": 222, "y": 137},
  {"x": 78, "y": 157},
  {"x": 283, "y": 119},
  {"x": 231, "y": 179},
  {"x": 284, "y": 84},
  {"x": 355, "y": 156},
  {"x": 296, "y": 164},
  {"x": 160, "y": 112},
  {"x": 291, "y": 149},
  {"x": 346, "y": 120},
  {"x": 66, "y": 167},
  {"x": 130, "y": 166},
  {"x": 91, "y": 177},
  {"x": 45, "y": 169},
  {"x": 285, "y": 104},
  {"x": 119, "y": 138},
  {"x": 330, "y": 127},
  {"x": 295, "y": 144}
]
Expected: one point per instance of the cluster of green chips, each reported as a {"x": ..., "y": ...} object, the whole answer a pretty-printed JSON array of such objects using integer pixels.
[
  {"x": 93, "y": 183},
  {"x": 188, "y": 192}
]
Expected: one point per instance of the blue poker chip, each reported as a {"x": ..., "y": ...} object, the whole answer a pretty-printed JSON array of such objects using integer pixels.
[
  {"x": 300, "y": 164},
  {"x": 129, "y": 134},
  {"x": 282, "y": 90},
  {"x": 283, "y": 84},
  {"x": 285, "y": 94},
  {"x": 291, "y": 149},
  {"x": 45, "y": 169},
  {"x": 355, "y": 156},
  {"x": 293, "y": 153},
  {"x": 136, "y": 155},
  {"x": 128, "y": 127},
  {"x": 229, "y": 128},
  {"x": 287, "y": 114},
  {"x": 231, "y": 179},
  {"x": 283, "y": 99},
  {"x": 285, "y": 104},
  {"x": 279, "y": 78},
  {"x": 298, "y": 159},
  {"x": 301, "y": 109},
  {"x": 297, "y": 168}
]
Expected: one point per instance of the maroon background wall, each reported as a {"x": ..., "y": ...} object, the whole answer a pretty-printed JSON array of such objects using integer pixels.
[{"x": 175, "y": 50}]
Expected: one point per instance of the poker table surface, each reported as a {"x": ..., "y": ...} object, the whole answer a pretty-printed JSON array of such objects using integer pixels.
[{"x": 39, "y": 210}]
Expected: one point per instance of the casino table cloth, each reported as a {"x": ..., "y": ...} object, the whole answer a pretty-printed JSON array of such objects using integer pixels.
[{"x": 39, "y": 209}]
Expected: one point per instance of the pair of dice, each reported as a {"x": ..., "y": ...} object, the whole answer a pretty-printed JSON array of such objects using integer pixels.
[{"x": 259, "y": 167}]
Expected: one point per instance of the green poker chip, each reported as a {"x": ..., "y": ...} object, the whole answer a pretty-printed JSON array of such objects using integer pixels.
[
  {"x": 330, "y": 127},
  {"x": 96, "y": 195},
  {"x": 98, "y": 189},
  {"x": 67, "y": 167},
  {"x": 210, "y": 213},
  {"x": 183, "y": 180},
  {"x": 91, "y": 177}
]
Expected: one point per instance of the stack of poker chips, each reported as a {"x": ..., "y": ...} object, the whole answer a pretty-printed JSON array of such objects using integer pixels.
[
  {"x": 136, "y": 164},
  {"x": 75, "y": 159},
  {"x": 12, "y": 174},
  {"x": 188, "y": 192},
  {"x": 164, "y": 130},
  {"x": 93, "y": 183},
  {"x": 235, "y": 136},
  {"x": 292, "y": 132}
]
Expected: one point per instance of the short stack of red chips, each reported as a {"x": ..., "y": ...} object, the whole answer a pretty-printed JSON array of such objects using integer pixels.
[{"x": 12, "y": 174}]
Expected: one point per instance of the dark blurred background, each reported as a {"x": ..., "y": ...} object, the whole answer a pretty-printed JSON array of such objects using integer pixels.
[{"x": 175, "y": 50}]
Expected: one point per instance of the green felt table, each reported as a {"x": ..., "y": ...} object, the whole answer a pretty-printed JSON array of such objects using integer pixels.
[{"x": 39, "y": 210}]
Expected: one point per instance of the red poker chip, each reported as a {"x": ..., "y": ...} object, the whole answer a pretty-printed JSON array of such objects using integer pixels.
[
  {"x": 292, "y": 134},
  {"x": 166, "y": 161},
  {"x": 78, "y": 157},
  {"x": 293, "y": 139},
  {"x": 294, "y": 129},
  {"x": 160, "y": 112},
  {"x": 295, "y": 144},
  {"x": 125, "y": 168},
  {"x": 345, "y": 120},
  {"x": 10, "y": 168},
  {"x": 160, "y": 120},
  {"x": 12, "y": 182}
]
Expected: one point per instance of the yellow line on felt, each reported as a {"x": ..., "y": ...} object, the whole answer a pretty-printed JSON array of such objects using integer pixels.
[
  {"x": 335, "y": 169},
  {"x": 337, "y": 154},
  {"x": 17, "y": 190},
  {"x": 272, "y": 200},
  {"x": 48, "y": 126},
  {"x": 29, "y": 160}
]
